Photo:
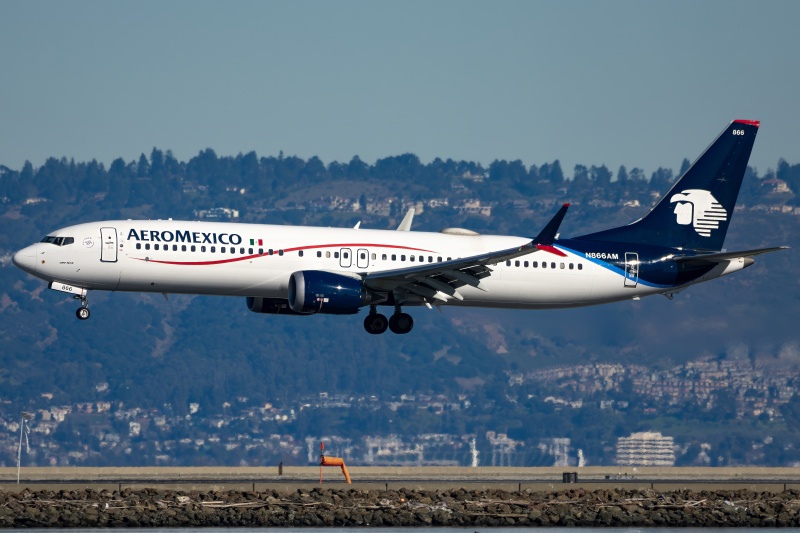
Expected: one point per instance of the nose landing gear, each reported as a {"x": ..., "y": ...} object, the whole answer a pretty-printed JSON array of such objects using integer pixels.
[{"x": 83, "y": 311}]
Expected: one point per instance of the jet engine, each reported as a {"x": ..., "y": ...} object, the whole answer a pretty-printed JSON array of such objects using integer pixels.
[
  {"x": 316, "y": 291},
  {"x": 272, "y": 306}
]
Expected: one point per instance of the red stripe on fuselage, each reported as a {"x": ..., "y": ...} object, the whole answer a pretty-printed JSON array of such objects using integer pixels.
[
  {"x": 551, "y": 249},
  {"x": 295, "y": 249}
]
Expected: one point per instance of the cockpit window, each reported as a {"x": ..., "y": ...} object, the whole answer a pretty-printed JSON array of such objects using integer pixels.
[{"x": 58, "y": 241}]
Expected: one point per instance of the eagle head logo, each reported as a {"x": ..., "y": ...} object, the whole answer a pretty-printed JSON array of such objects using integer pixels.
[{"x": 700, "y": 209}]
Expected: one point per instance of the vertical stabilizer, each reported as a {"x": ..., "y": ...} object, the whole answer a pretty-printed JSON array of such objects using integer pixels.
[{"x": 696, "y": 212}]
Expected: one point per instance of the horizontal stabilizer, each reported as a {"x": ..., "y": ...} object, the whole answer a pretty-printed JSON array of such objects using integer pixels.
[{"x": 725, "y": 256}]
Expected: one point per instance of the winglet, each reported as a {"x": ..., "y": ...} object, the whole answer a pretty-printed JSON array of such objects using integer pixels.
[
  {"x": 548, "y": 234},
  {"x": 405, "y": 225}
]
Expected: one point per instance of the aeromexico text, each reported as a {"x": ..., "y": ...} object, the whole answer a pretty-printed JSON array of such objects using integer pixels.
[{"x": 193, "y": 237}]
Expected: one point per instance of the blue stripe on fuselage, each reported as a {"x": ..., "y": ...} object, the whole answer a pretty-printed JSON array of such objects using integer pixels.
[{"x": 656, "y": 270}]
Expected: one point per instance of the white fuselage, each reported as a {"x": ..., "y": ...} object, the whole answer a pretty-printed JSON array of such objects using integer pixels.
[{"x": 231, "y": 259}]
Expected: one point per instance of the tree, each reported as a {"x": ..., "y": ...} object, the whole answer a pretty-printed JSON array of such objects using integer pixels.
[
  {"x": 661, "y": 179},
  {"x": 622, "y": 175},
  {"x": 357, "y": 168},
  {"x": 552, "y": 172},
  {"x": 601, "y": 176},
  {"x": 143, "y": 167},
  {"x": 314, "y": 171},
  {"x": 95, "y": 179},
  {"x": 156, "y": 163},
  {"x": 119, "y": 184},
  {"x": 685, "y": 164}
]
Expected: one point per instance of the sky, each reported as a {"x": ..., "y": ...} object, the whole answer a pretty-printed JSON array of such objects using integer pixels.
[{"x": 639, "y": 83}]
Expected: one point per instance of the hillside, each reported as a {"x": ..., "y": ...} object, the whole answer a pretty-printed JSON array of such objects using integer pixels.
[{"x": 209, "y": 356}]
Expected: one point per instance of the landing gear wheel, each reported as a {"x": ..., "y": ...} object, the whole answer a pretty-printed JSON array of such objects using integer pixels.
[
  {"x": 82, "y": 313},
  {"x": 375, "y": 323},
  {"x": 401, "y": 323}
]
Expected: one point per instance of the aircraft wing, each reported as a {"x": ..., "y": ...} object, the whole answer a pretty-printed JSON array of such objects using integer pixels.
[
  {"x": 719, "y": 257},
  {"x": 441, "y": 281}
]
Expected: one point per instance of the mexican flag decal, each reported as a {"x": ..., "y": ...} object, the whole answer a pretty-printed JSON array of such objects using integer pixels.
[{"x": 253, "y": 242}]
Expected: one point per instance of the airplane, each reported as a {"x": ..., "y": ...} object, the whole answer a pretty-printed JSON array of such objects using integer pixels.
[{"x": 301, "y": 270}]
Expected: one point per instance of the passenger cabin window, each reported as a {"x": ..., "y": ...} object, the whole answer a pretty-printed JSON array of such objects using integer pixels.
[
  {"x": 402, "y": 258},
  {"x": 249, "y": 251},
  {"x": 319, "y": 253},
  {"x": 580, "y": 266},
  {"x": 138, "y": 246},
  {"x": 147, "y": 246},
  {"x": 174, "y": 247},
  {"x": 336, "y": 255},
  {"x": 394, "y": 257},
  {"x": 300, "y": 253},
  {"x": 552, "y": 265},
  {"x": 536, "y": 264},
  {"x": 155, "y": 247},
  {"x": 213, "y": 249},
  {"x": 280, "y": 252},
  {"x": 383, "y": 257},
  {"x": 194, "y": 248},
  {"x": 328, "y": 255},
  {"x": 183, "y": 247}
]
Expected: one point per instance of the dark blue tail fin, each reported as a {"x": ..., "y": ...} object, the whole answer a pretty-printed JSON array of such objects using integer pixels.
[{"x": 696, "y": 212}]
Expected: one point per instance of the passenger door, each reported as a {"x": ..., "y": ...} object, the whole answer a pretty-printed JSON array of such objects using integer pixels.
[{"x": 108, "y": 245}]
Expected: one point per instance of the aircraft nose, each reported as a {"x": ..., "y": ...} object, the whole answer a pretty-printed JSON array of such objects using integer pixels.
[{"x": 25, "y": 258}]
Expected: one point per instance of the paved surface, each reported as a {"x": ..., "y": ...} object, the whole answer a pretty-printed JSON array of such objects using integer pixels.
[{"x": 417, "y": 478}]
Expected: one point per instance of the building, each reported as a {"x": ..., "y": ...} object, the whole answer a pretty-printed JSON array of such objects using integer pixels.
[{"x": 646, "y": 449}]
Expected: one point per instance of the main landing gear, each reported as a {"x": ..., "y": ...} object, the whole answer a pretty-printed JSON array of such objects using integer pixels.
[
  {"x": 83, "y": 311},
  {"x": 376, "y": 323}
]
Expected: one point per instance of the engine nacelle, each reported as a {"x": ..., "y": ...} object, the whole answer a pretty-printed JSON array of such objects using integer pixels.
[
  {"x": 316, "y": 291},
  {"x": 272, "y": 306}
]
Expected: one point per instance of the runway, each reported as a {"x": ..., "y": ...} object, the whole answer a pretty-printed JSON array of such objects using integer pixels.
[{"x": 291, "y": 478}]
